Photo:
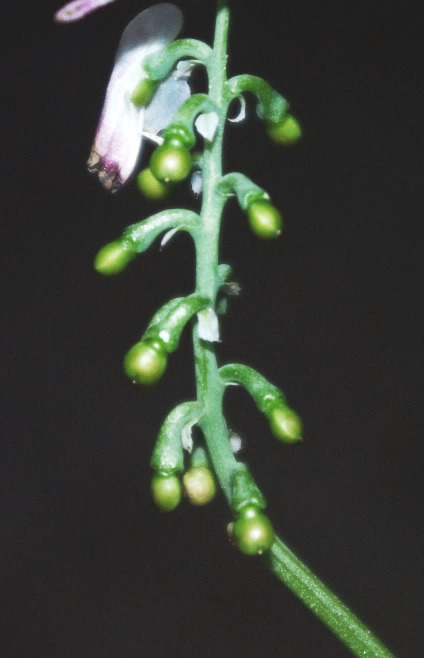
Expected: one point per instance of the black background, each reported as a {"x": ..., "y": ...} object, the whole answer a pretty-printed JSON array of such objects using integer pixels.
[{"x": 329, "y": 312}]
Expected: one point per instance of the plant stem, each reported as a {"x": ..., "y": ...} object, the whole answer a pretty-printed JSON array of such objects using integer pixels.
[
  {"x": 285, "y": 565},
  {"x": 323, "y": 603},
  {"x": 209, "y": 387}
]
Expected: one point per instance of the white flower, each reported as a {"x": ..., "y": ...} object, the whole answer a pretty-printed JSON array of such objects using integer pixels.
[
  {"x": 77, "y": 9},
  {"x": 120, "y": 131}
]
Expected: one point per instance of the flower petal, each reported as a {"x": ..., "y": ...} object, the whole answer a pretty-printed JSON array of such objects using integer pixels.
[
  {"x": 77, "y": 9},
  {"x": 118, "y": 139},
  {"x": 170, "y": 94}
]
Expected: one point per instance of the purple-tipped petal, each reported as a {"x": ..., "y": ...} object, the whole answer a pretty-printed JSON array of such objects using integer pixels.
[
  {"x": 118, "y": 138},
  {"x": 77, "y": 9}
]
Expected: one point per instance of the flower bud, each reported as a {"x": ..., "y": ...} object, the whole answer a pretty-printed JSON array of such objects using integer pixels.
[
  {"x": 112, "y": 258},
  {"x": 166, "y": 491},
  {"x": 252, "y": 532},
  {"x": 199, "y": 485},
  {"x": 143, "y": 93},
  {"x": 264, "y": 219},
  {"x": 285, "y": 424},
  {"x": 288, "y": 131},
  {"x": 170, "y": 162},
  {"x": 151, "y": 187},
  {"x": 145, "y": 362}
]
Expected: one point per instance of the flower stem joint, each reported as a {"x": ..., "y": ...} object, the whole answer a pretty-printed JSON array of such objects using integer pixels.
[
  {"x": 252, "y": 531},
  {"x": 146, "y": 361},
  {"x": 285, "y": 424},
  {"x": 264, "y": 218}
]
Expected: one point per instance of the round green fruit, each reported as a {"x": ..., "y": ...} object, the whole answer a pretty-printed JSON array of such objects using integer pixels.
[
  {"x": 253, "y": 533},
  {"x": 151, "y": 187},
  {"x": 265, "y": 220},
  {"x": 145, "y": 362},
  {"x": 286, "y": 132},
  {"x": 166, "y": 491},
  {"x": 199, "y": 485},
  {"x": 142, "y": 94},
  {"x": 170, "y": 162},
  {"x": 112, "y": 258},
  {"x": 285, "y": 424}
]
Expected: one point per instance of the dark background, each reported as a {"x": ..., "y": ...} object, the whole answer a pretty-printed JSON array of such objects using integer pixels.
[{"x": 89, "y": 568}]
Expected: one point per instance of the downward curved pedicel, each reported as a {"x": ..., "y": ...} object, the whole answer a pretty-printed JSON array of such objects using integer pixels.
[{"x": 118, "y": 139}]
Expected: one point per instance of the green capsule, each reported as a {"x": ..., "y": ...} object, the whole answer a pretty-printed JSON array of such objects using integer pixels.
[
  {"x": 170, "y": 162},
  {"x": 142, "y": 94},
  {"x": 145, "y": 362},
  {"x": 199, "y": 485},
  {"x": 151, "y": 187},
  {"x": 264, "y": 219},
  {"x": 112, "y": 258},
  {"x": 166, "y": 491},
  {"x": 285, "y": 424},
  {"x": 286, "y": 132},
  {"x": 252, "y": 532}
]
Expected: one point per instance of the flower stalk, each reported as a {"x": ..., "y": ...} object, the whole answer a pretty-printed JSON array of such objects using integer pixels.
[
  {"x": 283, "y": 562},
  {"x": 148, "y": 89}
]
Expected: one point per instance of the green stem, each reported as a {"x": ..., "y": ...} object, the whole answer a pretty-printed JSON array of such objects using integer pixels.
[
  {"x": 323, "y": 603},
  {"x": 210, "y": 387}
]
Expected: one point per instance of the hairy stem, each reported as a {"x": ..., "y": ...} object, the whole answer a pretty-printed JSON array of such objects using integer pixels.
[
  {"x": 323, "y": 603},
  {"x": 209, "y": 386}
]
